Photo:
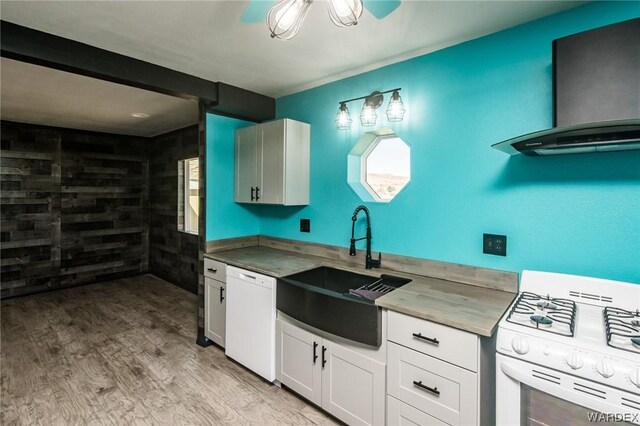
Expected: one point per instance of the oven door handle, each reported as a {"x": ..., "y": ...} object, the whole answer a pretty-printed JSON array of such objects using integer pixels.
[{"x": 513, "y": 372}]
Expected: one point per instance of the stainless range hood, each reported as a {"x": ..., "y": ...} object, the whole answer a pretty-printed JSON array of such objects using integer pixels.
[
  {"x": 607, "y": 136},
  {"x": 596, "y": 83}
]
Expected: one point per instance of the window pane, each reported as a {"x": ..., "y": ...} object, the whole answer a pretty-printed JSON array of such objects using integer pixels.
[
  {"x": 193, "y": 199},
  {"x": 188, "y": 195},
  {"x": 388, "y": 167}
]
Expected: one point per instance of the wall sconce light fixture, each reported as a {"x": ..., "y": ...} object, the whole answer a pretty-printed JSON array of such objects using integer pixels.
[
  {"x": 343, "y": 118},
  {"x": 368, "y": 115}
]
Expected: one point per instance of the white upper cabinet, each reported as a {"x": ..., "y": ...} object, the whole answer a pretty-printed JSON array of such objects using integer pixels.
[{"x": 272, "y": 163}]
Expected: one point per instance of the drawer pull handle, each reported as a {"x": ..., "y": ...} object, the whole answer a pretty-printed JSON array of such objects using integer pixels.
[
  {"x": 212, "y": 270},
  {"x": 428, "y": 339},
  {"x": 434, "y": 391}
]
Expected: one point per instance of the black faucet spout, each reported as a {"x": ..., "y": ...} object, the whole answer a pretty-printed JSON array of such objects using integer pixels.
[{"x": 369, "y": 262}]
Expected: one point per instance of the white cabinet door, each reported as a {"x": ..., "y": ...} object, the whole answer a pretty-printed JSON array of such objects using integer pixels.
[
  {"x": 246, "y": 173},
  {"x": 296, "y": 163},
  {"x": 271, "y": 166},
  {"x": 353, "y": 386},
  {"x": 300, "y": 362},
  {"x": 214, "y": 310}
]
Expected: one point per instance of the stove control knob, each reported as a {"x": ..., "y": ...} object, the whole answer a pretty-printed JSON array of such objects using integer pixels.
[
  {"x": 520, "y": 345},
  {"x": 634, "y": 376},
  {"x": 604, "y": 367},
  {"x": 574, "y": 360}
]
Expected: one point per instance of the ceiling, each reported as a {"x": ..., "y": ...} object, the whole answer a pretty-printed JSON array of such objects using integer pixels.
[
  {"x": 39, "y": 95},
  {"x": 207, "y": 39}
]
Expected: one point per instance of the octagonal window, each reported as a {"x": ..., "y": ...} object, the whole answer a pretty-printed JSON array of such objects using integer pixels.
[{"x": 379, "y": 166}]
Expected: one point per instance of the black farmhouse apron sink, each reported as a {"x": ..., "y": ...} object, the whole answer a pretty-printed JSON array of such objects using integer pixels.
[{"x": 320, "y": 298}]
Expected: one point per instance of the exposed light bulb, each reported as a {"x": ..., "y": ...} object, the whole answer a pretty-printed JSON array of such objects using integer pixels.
[
  {"x": 345, "y": 13},
  {"x": 285, "y": 18},
  {"x": 343, "y": 118},
  {"x": 368, "y": 116},
  {"x": 395, "y": 110}
]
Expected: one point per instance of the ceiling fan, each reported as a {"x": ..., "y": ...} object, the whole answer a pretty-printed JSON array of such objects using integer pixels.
[{"x": 284, "y": 17}]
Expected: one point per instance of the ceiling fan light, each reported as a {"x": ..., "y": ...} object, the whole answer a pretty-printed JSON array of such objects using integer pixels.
[
  {"x": 343, "y": 118},
  {"x": 368, "y": 115},
  {"x": 344, "y": 13},
  {"x": 396, "y": 109},
  {"x": 285, "y": 18}
]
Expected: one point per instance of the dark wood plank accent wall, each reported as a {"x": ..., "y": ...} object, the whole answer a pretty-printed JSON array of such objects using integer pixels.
[
  {"x": 173, "y": 255},
  {"x": 74, "y": 207}
]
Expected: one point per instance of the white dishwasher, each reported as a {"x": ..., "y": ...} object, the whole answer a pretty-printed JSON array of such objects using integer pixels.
[{"x": 251, "y": 321}]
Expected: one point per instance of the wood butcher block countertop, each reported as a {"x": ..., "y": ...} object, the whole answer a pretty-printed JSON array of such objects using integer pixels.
[
  {"x": 467, "y": 307},
  {"x": 463, "y": 306}
]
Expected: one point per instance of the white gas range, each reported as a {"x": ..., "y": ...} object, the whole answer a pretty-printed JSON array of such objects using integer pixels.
[{"x": 569, "y": 352}]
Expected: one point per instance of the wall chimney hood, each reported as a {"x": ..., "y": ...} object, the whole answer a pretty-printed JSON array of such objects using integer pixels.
[{"x": 596, "y": 95}]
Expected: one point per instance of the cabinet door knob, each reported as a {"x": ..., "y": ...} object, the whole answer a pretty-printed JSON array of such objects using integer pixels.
[
  {"x": 257, "y": 192},
  {"x": 315, "y": 355},
  {"x": 252, "y": 197},
  {"x": 434, "y": 391},
  {"x": 425, "y": 338}
]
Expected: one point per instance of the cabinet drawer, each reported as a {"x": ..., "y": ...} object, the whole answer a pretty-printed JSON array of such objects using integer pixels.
[
  {"x": 449, "y": 344},
  {"x": 401, "y": 414},
  {"x": 442, "y": 390},
  {"x": 214, "y": 269}
]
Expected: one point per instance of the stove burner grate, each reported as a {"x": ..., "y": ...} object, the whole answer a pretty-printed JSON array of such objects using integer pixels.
[
  {"x": 621, "y": 325},
  {"x": 558, "y": 315}
]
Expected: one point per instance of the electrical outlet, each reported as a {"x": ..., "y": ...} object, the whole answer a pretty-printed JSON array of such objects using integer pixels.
[
  {"x": 305, "y": 225},
  {"x": 494, "y": 244}
]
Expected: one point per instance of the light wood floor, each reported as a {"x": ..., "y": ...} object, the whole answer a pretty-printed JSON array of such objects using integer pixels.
[{"x": 124, "y": 352}]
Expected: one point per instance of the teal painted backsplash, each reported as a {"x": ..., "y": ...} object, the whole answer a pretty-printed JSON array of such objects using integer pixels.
[{"x": 576, "y": 214}]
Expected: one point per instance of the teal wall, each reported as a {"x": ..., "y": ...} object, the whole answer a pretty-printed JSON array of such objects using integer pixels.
[
  {"x": 576, "y": 214},
  {"x": 225, "y": 219}
]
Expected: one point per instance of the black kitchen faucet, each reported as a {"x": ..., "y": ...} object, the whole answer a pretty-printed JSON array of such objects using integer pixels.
[{"x": 369, "y": 262}]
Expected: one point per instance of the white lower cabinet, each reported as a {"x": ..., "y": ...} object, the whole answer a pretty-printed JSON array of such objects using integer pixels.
[
  {"x": 401, "y": 414},
  {"x": 215, "y": 310},
  {"x": 343, "y": 382},
  {"x": 438, "y": 374},
  {"x": 445, "y": 391}
]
